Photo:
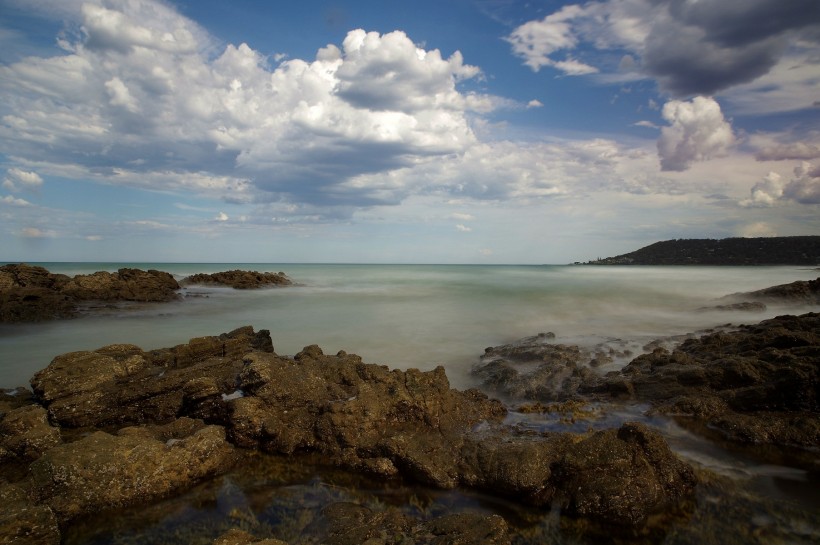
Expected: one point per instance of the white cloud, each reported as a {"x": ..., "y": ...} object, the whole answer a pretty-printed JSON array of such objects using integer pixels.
[
  {"x": 143, "y": 86},
  {"x": 757, "y": 229},
  {"x": 462, "y": 216},
  {"x": 697, "y": 132},
  {"x": 535, "y": 104},
  {"x": 803, "y": 188},
  {"x": 17, "y": 179},
  {"x": 14, "y": 202},
  {"x": 34, "y": 232},
  {"x": 222, "y": 216},
  {"x": 766, "y": 192},
  {"x": 463, "y": 228}
]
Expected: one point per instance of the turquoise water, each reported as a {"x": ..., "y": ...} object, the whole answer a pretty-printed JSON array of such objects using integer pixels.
[{"x": 406, "y": 316}]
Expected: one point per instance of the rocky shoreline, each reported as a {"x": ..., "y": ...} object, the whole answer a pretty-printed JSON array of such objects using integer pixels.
[
  {"x": 118, "y": 427},
  {"x": 33, "y": 294}
]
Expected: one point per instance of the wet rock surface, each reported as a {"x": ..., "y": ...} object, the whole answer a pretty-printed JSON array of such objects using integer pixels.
[
  {"x": 31, "y": 294},
  {"x": 121, "y": 426},
  {"x": 755, "y": 383},
  {"x": 758, "y": 384},
  {"x": 238, "y": 279}
]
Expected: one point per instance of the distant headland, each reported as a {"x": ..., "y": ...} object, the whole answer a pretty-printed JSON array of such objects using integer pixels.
[{"x": 802, "y": 250}]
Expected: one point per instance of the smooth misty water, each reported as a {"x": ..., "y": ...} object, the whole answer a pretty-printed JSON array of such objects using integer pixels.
[
  {"x": 406, "y": 315},
  {"x": 422, "y": 316}
]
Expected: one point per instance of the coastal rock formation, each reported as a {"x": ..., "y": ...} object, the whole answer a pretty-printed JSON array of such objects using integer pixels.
[
  {"x": 801, "y": 293},
  {"x": 136, "y": 425},
  {"x": 30, "y": 294},
  {"x": 757, "y": 384},
  {"x": 537, "y": 369},
  {"x": 124, "y": 285},
  {"x": 240, "y": 280}
]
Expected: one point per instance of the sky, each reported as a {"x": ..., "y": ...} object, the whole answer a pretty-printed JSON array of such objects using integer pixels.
[{"x": 445, "y": 131}]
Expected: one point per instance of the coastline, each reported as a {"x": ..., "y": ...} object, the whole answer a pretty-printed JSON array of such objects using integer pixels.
[{"x": 312, "y": 355}]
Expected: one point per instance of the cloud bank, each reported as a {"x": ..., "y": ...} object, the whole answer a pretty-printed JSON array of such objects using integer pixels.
[{"x": 689, "y": 48}]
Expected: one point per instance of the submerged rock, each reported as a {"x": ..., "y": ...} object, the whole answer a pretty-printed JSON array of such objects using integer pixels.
[{"x": 238, "y": 279}]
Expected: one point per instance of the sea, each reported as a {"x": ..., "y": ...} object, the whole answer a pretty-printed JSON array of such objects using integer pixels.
[
  {"x": 423, "y": 316},
  {"x": 405, "y": 316}
]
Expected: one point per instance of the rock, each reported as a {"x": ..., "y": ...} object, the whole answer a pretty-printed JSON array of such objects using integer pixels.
[
  {"x": 124, "y": 285},
  {"x": 800, "y": 292},
  {"x": 350, "y": 524},
  {"x": 363, "y": 417},
  {"x": 535, "y": 369},
  {"x": 757, "y": 384},
  {"x": 240, "y": 537},
  {"x": 621, "y": 476},
  {"x": 745, "y": 306},
  {"x": 122, "y": 385},
  {"x": 238, "y": 279},
  {"x": 26, "y": 433},
  {"x": 31, "y": 294},
  {"x": 103, "y": 471},
  {"x": 22, "y": 522},
  {"x": 409, "y": 423}
]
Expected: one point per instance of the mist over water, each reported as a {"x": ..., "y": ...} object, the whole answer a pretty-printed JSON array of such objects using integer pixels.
[{"x": 408, "y": 315}]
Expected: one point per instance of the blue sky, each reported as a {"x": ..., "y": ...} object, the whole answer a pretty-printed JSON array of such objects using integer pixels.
[{"x": 465, "y": 131}]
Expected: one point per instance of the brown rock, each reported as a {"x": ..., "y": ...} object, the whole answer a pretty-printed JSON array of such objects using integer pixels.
[
  {"x": 241, "y": 280},
  {"x": 23, "y": 522},
  {"x": 102, "y": 471}
]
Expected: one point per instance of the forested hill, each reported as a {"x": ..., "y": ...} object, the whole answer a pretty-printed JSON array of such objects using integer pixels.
[{"x": 728, "y": 251}]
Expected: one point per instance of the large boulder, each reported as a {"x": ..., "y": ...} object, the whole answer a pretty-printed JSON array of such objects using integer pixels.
[{"x": 23, "y": 521}]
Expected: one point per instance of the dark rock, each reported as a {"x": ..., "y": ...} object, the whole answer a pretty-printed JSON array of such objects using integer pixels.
[
  {"x": 238, "y": 279},
  {"x": 350, "y": 524},
  {"x": 649, "y": 477},
  {"x": 745, "y": 306},
  {"x": 534, "y": 368},
  {"x": 800, "y": 292},
  {"x": 31, "y": 294},
  {"x": 760, "y": 383}
]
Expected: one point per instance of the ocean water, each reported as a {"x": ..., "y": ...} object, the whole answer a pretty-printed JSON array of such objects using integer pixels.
[{"x": 406, "y": 315}]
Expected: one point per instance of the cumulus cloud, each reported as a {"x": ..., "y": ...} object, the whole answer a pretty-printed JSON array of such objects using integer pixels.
[
  {"x": 463, "y": 228},
  {"x": 222, "y": 216},
  {"x": 17, "y": 179},
  {"x": 691, "y": 48},
  {"x": 141, "y": 97},
  {"x": 535, "y": 104},
  {"x": 697, "y": 131},
  {"x": 34, "y": 232},
  {"x": 765, "y": 192},
  {"x": 803, "y": 188},
  {"x": 8, "y": 199}
]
